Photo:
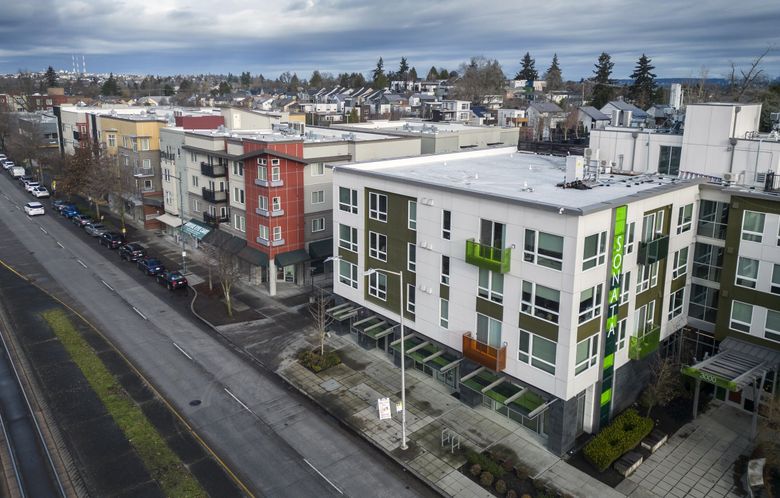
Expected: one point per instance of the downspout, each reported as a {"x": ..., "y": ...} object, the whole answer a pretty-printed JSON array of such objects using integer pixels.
[
  {"x": 647, "y": 152},
  {"x": 733, "y": 139},
  {"x": 634, "y": 135},
  {"x": 758, "y": 155}
]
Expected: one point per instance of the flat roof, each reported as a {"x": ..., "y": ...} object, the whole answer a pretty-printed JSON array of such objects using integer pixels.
[
  {"x": 312, "y": 135},
  {"x": 523, "y": 178},
  {"x": 417, "y": 127}
]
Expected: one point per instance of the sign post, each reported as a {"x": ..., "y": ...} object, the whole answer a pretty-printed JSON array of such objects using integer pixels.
[{"x": 383, "y": 406}]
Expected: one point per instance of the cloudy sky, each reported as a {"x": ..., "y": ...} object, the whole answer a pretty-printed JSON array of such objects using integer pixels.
[{"x": 272, "y": 36}]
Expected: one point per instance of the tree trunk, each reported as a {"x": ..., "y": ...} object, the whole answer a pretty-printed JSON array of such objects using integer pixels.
[
  {"x": 322, "y": 343},
  {"x": 228, "y": 302},
  {"x": 97, "y": 210}
]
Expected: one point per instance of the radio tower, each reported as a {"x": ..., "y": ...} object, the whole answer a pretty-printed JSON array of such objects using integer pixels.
[
  {"x": 84, "y": 65},
  {"x": 73, "y": 58}
]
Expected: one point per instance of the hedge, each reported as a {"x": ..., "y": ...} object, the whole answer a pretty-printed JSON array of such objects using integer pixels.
[
  {"x": 622, "y": 435},
  {"x": 485, "y": 462}
]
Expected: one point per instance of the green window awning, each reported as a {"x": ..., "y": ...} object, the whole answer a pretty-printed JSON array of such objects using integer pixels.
[
  {"x": 253, "y": 256},
  {"x": 321, "y": 249},
  {"x": 196, "y": 228},
  {"x": 291, "y": 258}
]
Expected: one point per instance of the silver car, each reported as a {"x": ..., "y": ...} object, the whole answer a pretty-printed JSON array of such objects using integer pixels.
[{"x": 95, "y": 229}]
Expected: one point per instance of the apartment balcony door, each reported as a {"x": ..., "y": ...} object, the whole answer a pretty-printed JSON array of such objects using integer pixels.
[{"x": 492, "y": 233}]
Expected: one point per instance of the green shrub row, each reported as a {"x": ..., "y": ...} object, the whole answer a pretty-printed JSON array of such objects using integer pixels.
[
  {"x": 623, "y": 434},
  {"x": 316, "y": 363},
  {"x": 485, "y": 462}
]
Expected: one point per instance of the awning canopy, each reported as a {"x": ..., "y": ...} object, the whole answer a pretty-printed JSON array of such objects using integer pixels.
[
  {"x": 196, "y": 228},
  {"x": 224, "y": 241},
  {"x": 736, "y": 365},
  {"x": 253, "y": 256},
  {"x": 321, "y": 249},
  {"x": 170, "y": 220},
  {"x": 291, "y": 258}
]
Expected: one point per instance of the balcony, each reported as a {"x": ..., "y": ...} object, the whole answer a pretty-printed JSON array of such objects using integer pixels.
[
  {"x": 215, "y": 219},
  {"x": 143, "y": 172},
  {"x": 213, "y": 170},
  {"x": 641, "y": 346},
  {"x": 486, "y": 355},
  {"x": 214, "y": 196},
  {"x": 488, "y": 257},
  {"x": 653, "y": 251},
  {"x": 269, "y": 183}
]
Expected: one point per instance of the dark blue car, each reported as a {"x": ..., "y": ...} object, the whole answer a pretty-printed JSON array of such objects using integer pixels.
[
  {"x": 70, "y": 212},
  {"x": 150, "y": 266}
]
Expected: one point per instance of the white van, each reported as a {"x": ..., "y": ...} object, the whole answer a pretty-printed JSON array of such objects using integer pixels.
[{"x": 17, "y": 172}]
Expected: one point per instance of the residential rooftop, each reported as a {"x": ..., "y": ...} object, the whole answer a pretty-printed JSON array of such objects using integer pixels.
[
  {"x": 312, "y": 135},
  {"x": 507, "y": 175},
  {"x": 413, "y": 127}
]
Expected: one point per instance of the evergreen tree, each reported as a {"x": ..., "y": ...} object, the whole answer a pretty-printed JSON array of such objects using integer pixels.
[
  {"x": 403, "y": 68},
  {"x": 602, "y": 91},
  {"x": 379, "y": 79},
  {"x": 50, "y": 77},
  {"x": 444, "y": 74},
  {"x": 224, "y": 88},
  {"x": 316, "y": 79},
  {"x": 433, "y": 74},
  {"x": 168, "y": 90},
  {"x": 413, "y": 74},
  {"x": 527, "y": 70},
  {"x": 294, "y": 83},
  {"x": 110, "y": 86},
  {"x": 643, "y": 89},
  {"x": 246, "y": 79},
  {"x": 553, "y": 75},
  {"x": 185, "y": 85}
]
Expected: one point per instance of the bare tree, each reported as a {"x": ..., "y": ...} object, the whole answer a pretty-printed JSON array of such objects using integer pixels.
[
  {"x": 318, "y": 311},
  {"x": 572, "y": 122},
  {"x": 769, "y": 431},
  {"x": 225, "y": 267},
  {"x": 742, "y": 82},
  {"x": 664, "y": 385}
]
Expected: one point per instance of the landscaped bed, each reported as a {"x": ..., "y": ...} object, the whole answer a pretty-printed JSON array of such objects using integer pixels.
[{"x": 496, "y": 472}]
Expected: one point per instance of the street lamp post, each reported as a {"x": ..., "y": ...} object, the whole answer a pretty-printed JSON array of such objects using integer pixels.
[{"x": 181, "y": 225}]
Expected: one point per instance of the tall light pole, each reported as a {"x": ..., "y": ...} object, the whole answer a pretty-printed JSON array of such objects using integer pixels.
[
  {"x": 400, "y": 276},
  {"x": 181, "y": 225}
]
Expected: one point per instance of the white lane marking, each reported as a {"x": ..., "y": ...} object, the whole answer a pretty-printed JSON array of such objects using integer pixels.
[
  {"x": 6, "y": 197},
  {"x": 141, "y": 314},
  {"x": 106, "y": 284},
  {"x": 62, "y": 246},
  {"x": 182, "y": 351},
  {"x": 43, "y": 230},
  {"x": 238, "y": 401},
  {"x": 28, "y": 217},
  {"x": 323, "y": 476},
  {"x": 81, "y": 263}
]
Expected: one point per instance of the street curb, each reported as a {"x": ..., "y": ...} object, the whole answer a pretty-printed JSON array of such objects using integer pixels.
[{"x": 341, "y": 422}]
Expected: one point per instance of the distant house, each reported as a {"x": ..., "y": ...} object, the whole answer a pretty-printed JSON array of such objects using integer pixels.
[
  {"x": 513, "y": 118},
  {"x": 660, "y": 113},
  {"x": 544, "y": 116},
  {"x": 622, "y": 113},
  {"x": 591, "y": 118}
]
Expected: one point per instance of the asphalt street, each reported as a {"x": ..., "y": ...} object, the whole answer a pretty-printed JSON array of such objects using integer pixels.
[{"x": 277, "y": 442}]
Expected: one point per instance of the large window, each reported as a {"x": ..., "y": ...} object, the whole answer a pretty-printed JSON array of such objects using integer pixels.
[
  {"x": 445, "y": 270},
  {"x": 590, "y": 303},
  {"x": 488, "y": 330},
  {"x": 276, "y": 172},
  {"x": 348, "y": 273},
  {"x": 647, "y": 276},
  {"x": 377, "y": 246},
  {"x": 652, "y": 225},
  {"x": 644, "y": 319},
  {"x": 263, "y": 232},
  {"x": 444, "y": 313},
  {"x": 676, "y": 303},
  {"x": 707, "y": 261},
  {"x": 491, "y": 285},
  {"x": 537, "y": 351},
  {"x": 446, "y": 225},
  {"x": 262, "y": 203},
  {"x": 747, "y": 272},
  {"x": 262, "y": 173},
  {"x": 703, "y": 303},
  {"x": 318, "y": 225},
  {"x": 377, "y": 285},
  {"x": 713, "y": 219},
  {"x": 543, "y": 249},
  {"x": 625, "y": 287},
  {"x": 772, "y": 328},
  {"x": 775, "y": 284},
  {"x": 277, "y": 233},
  {"x": 318, "y": 197},
  {"x": 317, "y": 169},
  {"x": 348, "y": 238},
  {"x": 680, "y": 267},
  {"x": 348, "y": 200},
  {"x": 669, "y": 160},
  {"x": 412, "y": 221},
  {"x": 587, "y": 354},
  {"x": 621, "y": 335},
  {"x": 411, "y": 298},
  {"x": 753, "y": 226},
  {"x": 540, "y": 301},
  {"x": 595, "y": 252},
  {"x": 741, "y": 316},
  {"x": 377, "y": 206},
  {"x": 630, "y": 237},
  {"x": 411, "y": 257},
  {"x": 685, "y": 218}
]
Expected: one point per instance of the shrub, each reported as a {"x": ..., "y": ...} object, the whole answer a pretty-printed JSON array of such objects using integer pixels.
[
  {"x": 316, "y": 363},
  {"x": 485, "y": 462},
  {"x": 522, "y": 474},
  {"x": 475, "y": 470},
  {"x": 501, "y": 486},
  {"x": 511, "y": 494},
  {"x": 623, "y": 434},
  {"x": 508, "y": 465},
  {"x": 486, "y": 479}
]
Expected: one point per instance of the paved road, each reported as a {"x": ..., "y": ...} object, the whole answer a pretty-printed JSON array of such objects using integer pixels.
[{"x": 276, "y": 441}]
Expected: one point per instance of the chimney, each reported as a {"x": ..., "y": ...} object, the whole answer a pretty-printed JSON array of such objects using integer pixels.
[{"x": 627, "y": 115}]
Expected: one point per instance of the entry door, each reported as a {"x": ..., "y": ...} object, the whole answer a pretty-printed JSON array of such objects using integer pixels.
[{"x": 581, "y": 413}]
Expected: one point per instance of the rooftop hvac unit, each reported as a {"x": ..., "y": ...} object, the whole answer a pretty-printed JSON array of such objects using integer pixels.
[{"x": 728, "y": 177}]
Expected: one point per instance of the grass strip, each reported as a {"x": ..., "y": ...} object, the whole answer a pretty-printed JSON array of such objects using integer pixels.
[{"x": 163, "y": 465}]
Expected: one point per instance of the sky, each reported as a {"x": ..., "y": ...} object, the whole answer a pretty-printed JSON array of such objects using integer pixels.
[{"x": 684, "y": 38}]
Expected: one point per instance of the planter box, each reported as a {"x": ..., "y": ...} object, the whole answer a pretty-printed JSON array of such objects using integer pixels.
[
  {"x": 655, "y": 440},
  {"x": 628, "y": 463}
]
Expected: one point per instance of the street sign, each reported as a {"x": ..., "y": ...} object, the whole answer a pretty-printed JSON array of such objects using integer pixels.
[
  {"x": 383, "y": 405},
  {"x": 399, "y": 407}
]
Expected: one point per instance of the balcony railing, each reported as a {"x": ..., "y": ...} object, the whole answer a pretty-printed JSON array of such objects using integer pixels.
[
  {"x": 486, "y": 355},
  {"x": 653, "y": 251},
  {"x": 214, "y": 219},
  {"x": 143, "y": 172},
  {"x": 213, "y": 170},
  {"x": 488, "y": 257},
  {"x": 214, "y": 196},
  {"x": 641, "y": 346}
]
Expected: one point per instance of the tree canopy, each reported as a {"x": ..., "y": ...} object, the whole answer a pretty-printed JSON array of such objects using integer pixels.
[
  {"x": 602, "y": 91},
  {"x": 50, "y": 77},
  {"x": 378, "y": 77},
  {"x": 553, "y": 75},
  {"x": 110, "y": 86},
  {"x": 643, "y": 89},
  {"x": 479, "y": 77},
  {"x": 527, "y": 69}
]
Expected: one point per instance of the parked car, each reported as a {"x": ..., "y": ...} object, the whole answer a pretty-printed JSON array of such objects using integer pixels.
[
  {"x": 95, "y": 229},
  {"x": 40, "y": 192},
  {"x": 132, "y": 252},
  {"x": 31, "y": 185},
  {"x": 150, "y": 266},
  {"x": 57, "y": 204},
  {"x": 24, "y": 179},
  {"x": 172, "y": 279},
  {"x": 70, "y": 212},
  {"x": 7, "y": 165},
  {"x": 81, "y": 220},
  {"x": 33, "y": 208},
  {"x": 3, "y": 157},
  {"x": 112, "y": 240},
  {"x": 16, "y": 171}
]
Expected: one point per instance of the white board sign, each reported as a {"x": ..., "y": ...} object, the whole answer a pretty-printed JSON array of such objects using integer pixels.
[{"x": 383, "y": 405}]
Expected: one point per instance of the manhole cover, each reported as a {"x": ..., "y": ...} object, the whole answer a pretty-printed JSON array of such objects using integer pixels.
[
  {"x": 330, "y": 385},
  {"x": 195, "y": 402}
]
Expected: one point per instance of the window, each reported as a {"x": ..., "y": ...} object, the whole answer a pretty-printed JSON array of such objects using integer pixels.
[
  {"x": 772, "y": 326},
  {"x": 491, "y": 285},
  {"x": 134, "y": 143},
  {"x": 630, "y": 237},
  {"x": 676, "y": 303},
  {"x": 238, "y": 195},
  {"x": 261, "y": 161},
  {"x": 193, "y": 156},
  {"x": 318, "y": 197},
  {"x": 348, "y": 273},
  {"x": 540, "y": 301},
  {"x": 262, "y": 202},
  {"x": 648, "y": 277},
  {"x": 318, "y": 225},
  {"x": 537, "y": 351},
  {"x": 685, "y": 218},
  {"x": 144, "y": 144},
  {"x": 411, "y": 257},
  {"x": 680, "y": 267},
  {"x": 713, "y": 219},
  {"x": 276, "y": 203},
  {"x": 446, "y": 224},
  {"x": 317, "y": 169},
  {"x": 348, "y": 238},
  {"x": 411, "y": 298},
  {"x": 775, "y": 284},
  {"x": 703, "y": 303},
  {"x": 166, "y": 175},
  {"x": 587, "y": 354},
  {"x": 147, "y": 164},
  {"x": 275, "y": 162},
  {"x": 262, "y": 173},
  {"x": 590, "y": 303},
  {"x": 276, "y": 173},
  {"x": 621, "y": 335},
  {"x": 747, "y": 272},
  {"x": 412, "y": 222},
  {"x": 669, "y": 160},
  {"x": 707, "y": 261},
  {"x": 741, "y": 316},
  {"x": 445, "y": 270},
  {"x": 348, "y": 200},
  {"x": 444, "y": 313},
  {"x": 377, "y": 246},
  {"x": 194, "y": 180},
  {"x": 377, "y": 206},
  {"x": 753, "y": 226},
  {"x": 238, "y": 168},
  {"x": 147, "y": 185},
  {"x": 239, "y": 223},
  {"x": 543, "y": 249},
  {"x": 277, "y": 233},
  {"x": 625, "y": 287},
  {"x": 195, "y": 205},
  {"x": 488, "y": 330},
  {"x": 644, "y": 319},
  {"x": 595, "y": 252},
  {"x": 377, "y": 285},
  {"x": 263, "y": 232},
  {"x": 652, "y": 225},
  {"x": 111, "y": 140}
]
